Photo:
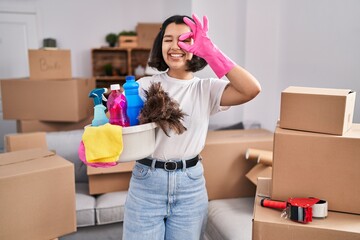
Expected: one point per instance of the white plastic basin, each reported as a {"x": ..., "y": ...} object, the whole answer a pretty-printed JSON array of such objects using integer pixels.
[{"x": 138, "y": 141}]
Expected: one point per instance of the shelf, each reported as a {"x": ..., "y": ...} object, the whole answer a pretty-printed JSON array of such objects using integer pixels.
[
  {"x": 110, "y": 78},
  {"x": 113, "y": 64}
]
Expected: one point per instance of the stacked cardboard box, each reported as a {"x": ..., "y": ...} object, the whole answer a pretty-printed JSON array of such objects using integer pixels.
[
  {"x": 316, "y": 154},
  {"x": 50, "y": 98},
  {"x": 309, "y": 159}
]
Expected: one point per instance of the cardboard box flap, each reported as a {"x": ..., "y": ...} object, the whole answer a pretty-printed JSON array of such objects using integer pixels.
[
  {"x": 121, "y": 167},
  {"x": 259, "y": 171},
  {"x": 230, "y": 136},
  {"x": 264, "y": 187},
  {"x": 353, "y": 132},
  {"x": 23, "y": 156},
  {"x": 318, "y": 91}
]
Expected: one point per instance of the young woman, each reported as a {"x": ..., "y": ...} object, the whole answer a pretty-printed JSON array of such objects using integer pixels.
[{"x": 167, "y": 198}]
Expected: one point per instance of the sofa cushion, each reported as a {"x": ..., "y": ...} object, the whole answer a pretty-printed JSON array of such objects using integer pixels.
[
  {"x": 85, "y": 206},
  {"x": 66, "y": 144},
  {"x": 230, "y": 219},
  {"x": 110, "y": 207}
]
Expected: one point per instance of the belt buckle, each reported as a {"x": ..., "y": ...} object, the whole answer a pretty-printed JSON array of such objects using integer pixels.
[{"x": 170, "y": 166}]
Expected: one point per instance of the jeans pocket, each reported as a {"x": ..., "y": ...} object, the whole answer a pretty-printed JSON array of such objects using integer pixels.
[
  {"x": 141, "y": 171},
  {"x": 195, "y": 172}
]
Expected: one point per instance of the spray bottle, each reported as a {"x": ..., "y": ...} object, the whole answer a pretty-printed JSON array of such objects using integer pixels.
[
  {"x": 100, "y": 117},
  {"x": 117, "y": 106}
]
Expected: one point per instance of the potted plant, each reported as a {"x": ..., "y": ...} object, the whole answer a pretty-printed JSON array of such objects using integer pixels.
[
  {"x": 108, "y": 69},
  {"x": 111, "y": 39}
]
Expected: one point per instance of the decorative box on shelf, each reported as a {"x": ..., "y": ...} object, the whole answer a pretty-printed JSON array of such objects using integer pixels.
[{"x": 128, "y": 41}]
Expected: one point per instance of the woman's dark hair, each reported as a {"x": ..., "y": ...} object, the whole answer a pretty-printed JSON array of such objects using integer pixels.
[{"x": 156, "y": 58}]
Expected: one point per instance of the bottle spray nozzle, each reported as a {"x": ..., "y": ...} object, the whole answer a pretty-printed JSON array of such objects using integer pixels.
[
  {"x": 98, "y": 95},
  {"x": 99, "y": 109}
]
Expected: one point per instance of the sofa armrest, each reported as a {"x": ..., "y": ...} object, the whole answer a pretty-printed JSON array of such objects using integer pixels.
[{"x": 66, "y": 144}]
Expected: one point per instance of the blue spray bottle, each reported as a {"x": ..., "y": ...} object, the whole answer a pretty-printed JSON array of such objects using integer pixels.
[{"x": 100, "y": 117}]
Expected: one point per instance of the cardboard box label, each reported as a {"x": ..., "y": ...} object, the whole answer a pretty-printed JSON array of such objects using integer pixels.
[{"x": 49, "y": 64}]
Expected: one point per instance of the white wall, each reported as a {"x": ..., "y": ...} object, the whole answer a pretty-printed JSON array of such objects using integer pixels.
[
  {"x": 227, "y": 29},
  {"x": 261, "y": 59},
  {"x": 282, "y": 42},
  {"x": 303, "y": 43}
]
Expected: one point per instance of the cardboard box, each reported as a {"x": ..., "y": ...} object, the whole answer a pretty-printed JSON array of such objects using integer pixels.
[
  {"x": 49, "y": 64},
  {"x": 318, "y": 165},
  {"x": 104, "y": 180},
  {"x": 37, "y": 195},
  {"x": 320, "y": 110},
  {"x": 16, "y": 142},
  {"x": 27, "y": 126},
  {"x": 259, "y": 171},
  {"x": 147, "y": 33},
  {"x": 225, "y": 165},
  {"x": 267, "y": 223},
  {"x": 64, "y": 100}
]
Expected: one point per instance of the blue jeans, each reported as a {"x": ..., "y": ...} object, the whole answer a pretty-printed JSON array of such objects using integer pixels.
[{"x": 166, "y": 205}]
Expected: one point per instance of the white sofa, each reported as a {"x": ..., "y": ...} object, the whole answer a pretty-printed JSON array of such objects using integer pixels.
[{"x": 101, "y": 216}]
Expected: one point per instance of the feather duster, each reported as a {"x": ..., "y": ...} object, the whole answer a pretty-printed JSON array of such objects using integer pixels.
[{"x": 162, "y": 110}]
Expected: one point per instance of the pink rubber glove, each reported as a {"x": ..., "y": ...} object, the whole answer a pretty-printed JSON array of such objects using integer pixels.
[{"x": 204, "y": 48}]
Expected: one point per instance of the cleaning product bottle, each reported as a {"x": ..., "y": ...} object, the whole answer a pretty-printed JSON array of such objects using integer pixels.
[
  {"x": 117, "y": 107},
  {"x": 135, "y": 103},
  {"x": 100, "y": 117}
]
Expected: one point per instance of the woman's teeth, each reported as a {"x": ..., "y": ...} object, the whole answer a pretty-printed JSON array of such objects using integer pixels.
[{"x": 176, "y": 55}]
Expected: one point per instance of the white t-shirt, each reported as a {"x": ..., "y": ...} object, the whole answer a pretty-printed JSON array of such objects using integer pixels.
[{"x": 198, "y": 98}]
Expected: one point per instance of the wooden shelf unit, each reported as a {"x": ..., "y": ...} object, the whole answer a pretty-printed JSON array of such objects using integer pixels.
[{"x": 122, "y": 60}]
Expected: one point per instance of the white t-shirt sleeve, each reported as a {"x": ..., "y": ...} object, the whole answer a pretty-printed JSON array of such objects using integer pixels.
[{"x": 217, "y": 88}]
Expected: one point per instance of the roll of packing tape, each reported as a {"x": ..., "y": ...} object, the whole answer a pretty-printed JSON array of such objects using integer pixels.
[{"x": 320, "y": 209}]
